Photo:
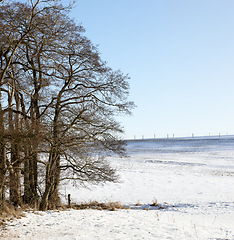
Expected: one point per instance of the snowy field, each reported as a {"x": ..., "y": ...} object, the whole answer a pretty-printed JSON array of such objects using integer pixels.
[{"x": 193, "y": 179}]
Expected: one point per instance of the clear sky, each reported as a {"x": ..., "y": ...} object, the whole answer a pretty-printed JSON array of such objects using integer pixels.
[{"x": 179, "y": 55}]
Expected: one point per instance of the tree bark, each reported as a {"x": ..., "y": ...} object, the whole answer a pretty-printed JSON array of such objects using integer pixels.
[
  {"x": 14, "y": 131},
  {"x": 27, "y": 187},
  {"x": 2, "y": 174},
  {"x": 50, "y": 198},
  {"x": 30, "y": 177},
  {"x": 15, "y": 176},
  {"x": 2, "y": 161}
]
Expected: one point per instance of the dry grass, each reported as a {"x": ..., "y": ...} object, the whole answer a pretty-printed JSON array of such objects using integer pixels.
[
  {"x": 155, "y": 203},
  {"x": 138, "y": 203},
  {"x": 11, "y": 211},
  {"x": 114, "y": 206},
  {"x": 110, "y": 206}
]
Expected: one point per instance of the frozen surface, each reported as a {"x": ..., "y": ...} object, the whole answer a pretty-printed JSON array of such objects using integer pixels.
[{"x": 193, "y": 178}]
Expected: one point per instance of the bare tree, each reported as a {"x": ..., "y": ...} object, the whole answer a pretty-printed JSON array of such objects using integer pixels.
[
  {"x": 89, "y": 94},
  {"x": 18, "y": 22},
  {"x": 62, "y": 103}
]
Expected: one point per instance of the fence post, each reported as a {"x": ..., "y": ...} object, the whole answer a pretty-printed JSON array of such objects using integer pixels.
[{"x": 69, "y": 200}]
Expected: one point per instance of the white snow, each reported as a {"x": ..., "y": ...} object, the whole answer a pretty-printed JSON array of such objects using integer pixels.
[{"x": 192, "y": 178}]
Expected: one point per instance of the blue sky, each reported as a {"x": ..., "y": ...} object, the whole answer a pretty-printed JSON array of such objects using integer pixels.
[{"x": 179, "y": 55}]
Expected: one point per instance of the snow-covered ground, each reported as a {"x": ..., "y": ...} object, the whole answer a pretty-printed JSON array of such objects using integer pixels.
[{"x": 192, "y": 178}]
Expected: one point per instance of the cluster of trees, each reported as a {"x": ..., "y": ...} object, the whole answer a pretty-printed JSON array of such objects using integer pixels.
[{"x": 58, "y": 102}]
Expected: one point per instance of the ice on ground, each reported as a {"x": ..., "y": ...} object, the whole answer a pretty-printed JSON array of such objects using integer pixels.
[{"x": 193, "y": 178}]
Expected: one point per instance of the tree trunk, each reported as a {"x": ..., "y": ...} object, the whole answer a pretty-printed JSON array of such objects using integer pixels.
[
  {"x": 30, "y": 177},
  {"x": 27, "y": 188},
  {"x": 2, "y": 160},
  {"x": 14, "y": 131},
  {"x": 54, "y": 199},
  {"x": 2, "y": 172},
  {"x": 31, "y": 150},
  {"x": 2, "y": 175},
  {"x": 15, "y": 175},
  {"x": 50, "y": 198}
]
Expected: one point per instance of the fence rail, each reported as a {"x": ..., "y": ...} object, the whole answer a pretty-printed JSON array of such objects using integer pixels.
[{"x": 167, "y": 136}]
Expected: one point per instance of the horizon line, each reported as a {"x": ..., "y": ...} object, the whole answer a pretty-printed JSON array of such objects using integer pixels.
[{"x": 183, "y": 137}]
